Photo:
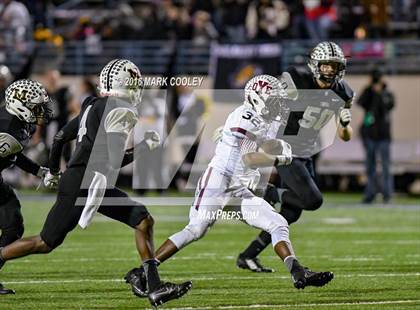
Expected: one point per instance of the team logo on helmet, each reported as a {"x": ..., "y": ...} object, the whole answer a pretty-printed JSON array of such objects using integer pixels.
[
  {"x": 28, "y": 100},
  {"x": 264, "y": 94},
  {"x": 20, "y": 94},
  {"x": 121, "y": 78}
]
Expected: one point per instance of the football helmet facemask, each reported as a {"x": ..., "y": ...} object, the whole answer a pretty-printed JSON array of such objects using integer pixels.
[
  {"x": 265, "y": 95},
  {"x": 121, "y": 78},
  {"x": 28, "y": 100},
  {"x": 328, "y": 53}
]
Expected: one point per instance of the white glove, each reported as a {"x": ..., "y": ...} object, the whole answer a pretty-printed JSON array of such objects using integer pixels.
[
  {"x": 51, "y": 180},
  {"x": 283, "y": 160},
  {"x": 152, "y": 139},
  {"x": 217, "y": 134},
  {"x": 286, "y": 156},
  {"x": 42, "y": 172},
  {"x": 345, "y": 117}
]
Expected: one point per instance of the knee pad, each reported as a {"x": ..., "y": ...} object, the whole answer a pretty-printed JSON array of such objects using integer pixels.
[
  {"x": 266, "y": 217},
  {"x": 291, "y": 214},
  {"x": 280, "y": 234},
  {"x": 190, "y": 233},
  {"x": 313, "y": 202}
]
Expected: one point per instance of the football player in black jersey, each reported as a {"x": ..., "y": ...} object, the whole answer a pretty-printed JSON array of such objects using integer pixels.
[
  {"x": 298, "y": 190},
  {"x": 27, "y": 104},
  {"x": 101, "y": 131}
]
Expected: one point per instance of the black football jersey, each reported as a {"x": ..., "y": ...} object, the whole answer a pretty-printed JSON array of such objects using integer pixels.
[
  {"x": 99, "y": 116},
  {"x": 311, "y": 110},
  {"x": 14, "y": 137}
]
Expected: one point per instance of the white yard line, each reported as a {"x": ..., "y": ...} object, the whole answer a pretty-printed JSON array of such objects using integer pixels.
[
  {"x": 334, "y": 304},
  {"x": 213, "y": 256},
  {"x": 413, "y": 274}
]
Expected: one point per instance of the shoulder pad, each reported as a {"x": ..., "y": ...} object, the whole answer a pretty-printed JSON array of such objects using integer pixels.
[
  {"x": 346, "y": 93},
  {"x": 302, "y": 79},
  {"x": 120, "y": 120},
  {"x": 9, "y": 145},
  {"x": 246, "y": 123}
]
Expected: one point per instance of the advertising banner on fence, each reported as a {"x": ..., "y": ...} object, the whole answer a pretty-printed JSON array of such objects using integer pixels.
[{"x": 232, "y": 65}]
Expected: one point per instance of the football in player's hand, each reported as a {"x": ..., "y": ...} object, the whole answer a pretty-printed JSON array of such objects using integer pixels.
[{"x": 273, "y": 147}]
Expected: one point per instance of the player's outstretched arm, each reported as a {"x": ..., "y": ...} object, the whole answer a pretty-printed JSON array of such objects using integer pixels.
[
  {"x": 26, "y": 164},
  {"x": 150, "y": 142},
  {"x": 65, "y": 135},
  {"x": 272, "y": 152}
]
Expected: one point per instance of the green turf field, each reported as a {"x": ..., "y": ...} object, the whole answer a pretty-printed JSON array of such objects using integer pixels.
[{"x": 374, "y": 252}]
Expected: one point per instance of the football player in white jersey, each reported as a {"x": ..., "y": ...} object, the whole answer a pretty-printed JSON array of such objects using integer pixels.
[{"x": 248, "y": 131}]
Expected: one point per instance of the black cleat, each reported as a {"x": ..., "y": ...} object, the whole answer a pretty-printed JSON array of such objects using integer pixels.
[
  {"x": 314, "y": 278},
  {"x": 298, "y": 275},
  {"x": 137, "y": 279},
  {"x": 252, "y": 264},
  {"x": 5, "y": 291},
  {"x": 168, "y": 291},
  {"x": 303, "y": 276}
]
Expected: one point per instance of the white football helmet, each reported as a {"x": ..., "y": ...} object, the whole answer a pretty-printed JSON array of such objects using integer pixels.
[
  {"x": 265, "y": 95},
  {"x": 121, "y": 78},
  {"x": 28, "y": 100},
  {"x": 327, "y": 53}
]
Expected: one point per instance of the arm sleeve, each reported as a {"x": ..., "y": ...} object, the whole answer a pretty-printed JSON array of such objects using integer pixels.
[
  {"x": 134, "y": 153},
  {"x": 116, "y": 148},
  {"x": 66, "y": 134},
  {"x": 26, "y": 164}
]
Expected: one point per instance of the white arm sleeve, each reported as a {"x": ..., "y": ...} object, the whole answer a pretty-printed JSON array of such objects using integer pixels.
[
  {"x": 9, "y": 145},
  {"x": 120, "y": 120}
]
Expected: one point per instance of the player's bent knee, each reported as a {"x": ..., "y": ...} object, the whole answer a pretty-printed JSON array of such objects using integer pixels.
[
  {"x": 281, "y": 233},
  {"x": 189, "y": 234},
  {"x": 146, "y": 224},
  {"x": 266, "y": 217},
  {"x": 41, "y": 247},
  {"x": 313, "y": 202}
]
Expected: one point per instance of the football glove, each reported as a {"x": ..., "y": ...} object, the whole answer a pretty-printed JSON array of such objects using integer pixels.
[
  {"x": 152, "y": 139},
  {"x": 51, "y": 180},
  {"x": 217, "y": 134},
  {"x": 42, "y": 171},
  {"x": 345, "y": 117}
]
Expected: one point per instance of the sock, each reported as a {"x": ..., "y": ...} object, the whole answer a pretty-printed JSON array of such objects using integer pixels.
[
  {"x": 257, "y": 246},
  {"x": 291, "y": 262},
  {"x": 152, "y": 275}
]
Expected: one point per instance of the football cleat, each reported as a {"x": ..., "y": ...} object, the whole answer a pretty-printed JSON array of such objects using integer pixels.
[
  {"x": 314, "y": 278},
  {"x": 252, "y": 264},
  {"x": 5, "y": 291},
  {"x": 168, "y": 291},
  {"x": 137, "y": 279},
  {"x": 303, "y": 276},
  {"x": 298, "y": 275}
]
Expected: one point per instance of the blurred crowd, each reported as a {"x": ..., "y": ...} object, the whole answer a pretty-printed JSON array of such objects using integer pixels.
[{"x": 204, "y": 20}]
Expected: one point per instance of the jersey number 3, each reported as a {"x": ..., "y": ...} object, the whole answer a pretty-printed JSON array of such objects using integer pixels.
[{"x": 82, "y": 128}]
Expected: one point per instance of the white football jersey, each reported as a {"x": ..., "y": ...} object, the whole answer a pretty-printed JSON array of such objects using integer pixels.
[{"x": 243, "y": 132}]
